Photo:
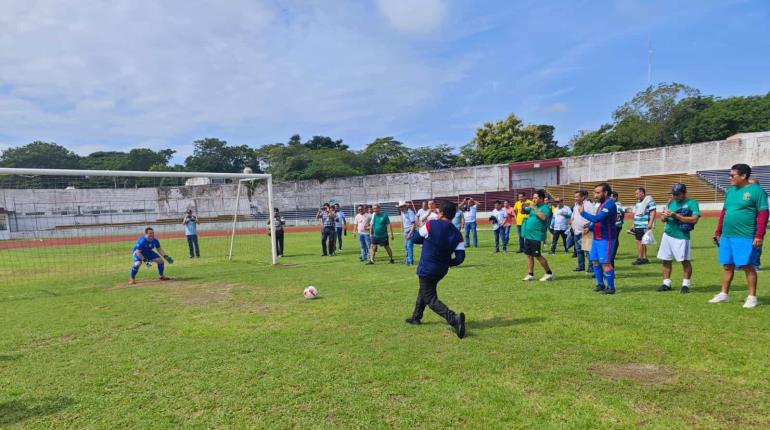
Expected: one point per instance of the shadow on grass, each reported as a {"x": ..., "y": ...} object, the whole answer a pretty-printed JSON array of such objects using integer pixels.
[
  {"x": 16, "y": 411},
  {"x": 501, "y": 322},
  {"x": 9, "y": 357}
]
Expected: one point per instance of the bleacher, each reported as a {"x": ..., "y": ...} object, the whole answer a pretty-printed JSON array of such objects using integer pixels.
[
  {"x": 658, "y": 186},
  {"x": 720, "y": 179}
]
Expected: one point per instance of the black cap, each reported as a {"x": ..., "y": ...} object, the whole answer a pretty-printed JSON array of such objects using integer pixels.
[{"x": 678, "y": 188}]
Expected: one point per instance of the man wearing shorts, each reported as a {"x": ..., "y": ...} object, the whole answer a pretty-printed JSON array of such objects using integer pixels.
[
  {"x": 603, "y": 229},
  {"x": 680, "y": 215},
  {"x": 740, "y": 232},
  {"x": 379, "y": 231},
  {"x": 534, "y": 231},
  {"x": 644, "y": 220}
]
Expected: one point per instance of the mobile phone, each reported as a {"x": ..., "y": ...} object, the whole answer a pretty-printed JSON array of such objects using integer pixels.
[{"x": 716, "y": 241}]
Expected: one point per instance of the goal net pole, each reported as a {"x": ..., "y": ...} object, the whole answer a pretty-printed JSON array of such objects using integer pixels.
[{"x": 270, "y": 220}]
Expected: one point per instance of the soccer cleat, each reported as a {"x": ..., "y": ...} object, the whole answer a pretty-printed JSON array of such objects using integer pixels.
[
  {"x": 608, "y": 291},
  {"x": 599, "y": 288},
  {"x": 750, "y": 303},
  {"x": 664, "y": 287},
  {"x": 459, "y": 325},
  {"x": 547, "y": 277},
  {"x": 412, "y": 321},
  {"x": 164, "y": 278},
  {"x": 637, "y": 262},
  {"x": 132, "y": 281},
  {"x": 720, "y": 298},
  {"x": 684, "y": 290},
  {"x": 528, "y": 278},
  {"x": 579, "y": 269}
]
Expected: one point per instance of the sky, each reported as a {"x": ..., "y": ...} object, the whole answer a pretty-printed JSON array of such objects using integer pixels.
[{"x": 95, "y": 75}]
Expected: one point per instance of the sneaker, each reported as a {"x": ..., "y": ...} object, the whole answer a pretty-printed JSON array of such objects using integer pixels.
[
  {"x": 644, "y": 261},
  {"x": 412, "y": 321},
  {"x": 132, "y": 281},
  {"x": 528, "y": 278},
  {"x": 664, "y": 287},
  {"x": 164, "y": 278},
  {"x": 547, "y": 277},
  {"x": 720, "y": 298},
  {"x": 599, "y": 288},
  {"x": 684, "y": 290},
  {"x": 637, "y": 262},
  {"x": 608, "y": 291},
  {"x": 459, "y": 325},
  {"x": 392, "y": 262},
  {"x": 579, "y": 269},
  {"x": 750, "y": 303},
  {"x": 370, "y": 262}
]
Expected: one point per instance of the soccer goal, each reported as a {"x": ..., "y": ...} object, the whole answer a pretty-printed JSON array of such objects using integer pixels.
[{"x": 69, "y": 223}]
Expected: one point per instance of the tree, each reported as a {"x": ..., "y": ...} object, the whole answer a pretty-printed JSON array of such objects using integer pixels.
[
  {"x": 427, "y": 158},
  {"x": 324, "y": 142},
  {"x": 386, "y": 155},
  {"x": 214, "y": 155},
  {"x": 40, "y": 155}
]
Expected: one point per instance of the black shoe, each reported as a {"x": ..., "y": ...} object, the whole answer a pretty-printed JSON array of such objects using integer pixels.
[
  {"x": 645, "y": 261},
  {"x": 324, "y": 255},
  {"x": 392, "y": 262},
  {"x": 598, "y": 288},
  {"x": 497, "y": 251},
  {"x": 412, "y": 321},
  {"x": 519, "y": 252},
  {"x": 370, "y": 262},
  {"x": 664, "y": 287},
  {"x": 608, "y": 291},
  {"x": 579, "y": 270},
  {"x": 459, "y": 325},
  {"x": 637, "y": 262},
  {"x": 684, "y": 290}
]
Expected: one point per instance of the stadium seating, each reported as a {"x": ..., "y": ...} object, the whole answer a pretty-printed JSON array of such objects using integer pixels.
[
  {"x": 721, "y": 180},
  {"x": 659, "y": 186}
]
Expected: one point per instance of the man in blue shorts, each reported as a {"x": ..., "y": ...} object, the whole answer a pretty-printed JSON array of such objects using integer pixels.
[
  {"x": 740, "y": 232},
  {"x": 144, "y": 252},
  {"x": 603, "y": 227}
]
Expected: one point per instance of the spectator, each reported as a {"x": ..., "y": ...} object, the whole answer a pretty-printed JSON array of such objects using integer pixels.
[
  {"x": 509, "y": 218},
  {"x": 618, "y": 224},
  {"x": 680, "y": 216},
  {"x": 579, "y": 225},
  {"x": 422, "y": 211},
  {"x": 740, "y": 231},
  {"x": 535, "y": 229},
  {"x": 458, "y": 220},
  {"x": 408, "y": 227},
  {"x": 603, "y": 236},
  {"x": 362, "y": 220},
  {"x": 327, "y": 216},
  {"x": 498, "y": 219},
  {"x": 561, "y": 216},
  {"x": 521, "y": 216},
  {"x": 757, "y": 262},
  {"x": 340, "y": 225},
  {"x": 470, "y": 209},
  {"x": 644, "y": 220},
  {"x": 379, "y": 232},
  {"x": 190, "y": 223},
  {"x": 279, "y": 223}
]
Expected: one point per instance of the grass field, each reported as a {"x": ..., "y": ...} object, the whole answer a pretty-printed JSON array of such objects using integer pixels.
[{"x": 234, "y": 345}]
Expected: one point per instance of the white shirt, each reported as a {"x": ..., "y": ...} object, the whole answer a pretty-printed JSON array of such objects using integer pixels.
[
  {"x": 470, "y": 214},
  {"x": 560, "y": 217},
  {"x": 578, "y": 222},
  {"x": 500, "y": 216}
]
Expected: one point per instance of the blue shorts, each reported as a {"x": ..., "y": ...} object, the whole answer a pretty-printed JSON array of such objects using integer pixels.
[
  {"x": 149, "y": 255},
  {"x": 601, "y": 251},
  {"x": 736, "y": 250}
]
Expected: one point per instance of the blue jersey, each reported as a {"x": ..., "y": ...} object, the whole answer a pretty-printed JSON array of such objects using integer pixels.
[
  {"x": 146, "y": 246},
  {"x": 440, "y": 239},
  {"x": 604, "y": 220}
]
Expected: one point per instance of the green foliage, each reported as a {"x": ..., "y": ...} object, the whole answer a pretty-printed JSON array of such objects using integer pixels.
[
  {"x": 509, "y": 140},
  {"x": 40, "y": 155},
  {"x": 214, "y": 155}
]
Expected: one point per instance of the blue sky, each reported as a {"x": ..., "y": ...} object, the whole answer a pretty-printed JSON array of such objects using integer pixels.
[{"x": 94, "y": 75}]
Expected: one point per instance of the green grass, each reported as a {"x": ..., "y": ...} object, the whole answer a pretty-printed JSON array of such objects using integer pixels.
[{"x": 234, "y": 345}]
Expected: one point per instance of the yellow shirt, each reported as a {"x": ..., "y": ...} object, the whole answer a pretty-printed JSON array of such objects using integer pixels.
[{"x": 520, "y": 215}]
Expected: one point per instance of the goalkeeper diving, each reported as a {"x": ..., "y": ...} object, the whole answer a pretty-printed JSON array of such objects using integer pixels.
[{"x": 144, "y": 252}]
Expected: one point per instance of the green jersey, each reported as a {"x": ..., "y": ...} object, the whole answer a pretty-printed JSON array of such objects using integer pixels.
[
  {"x": 741, "y": 208},
  {"x": 380, "y": 222},
  {"x": 535, "y": 228},
  {"x": 672, "y": 225}
]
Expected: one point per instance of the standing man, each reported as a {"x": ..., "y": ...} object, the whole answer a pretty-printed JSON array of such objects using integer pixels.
[
  {"x": 408, "y": 226},
  {"x": 144, "y": 252},
  {"x": 458, "y": 220},
  {"x": 279, "y": 223},
  {"x": 422, "y": 211},
  {"x": 521, "y": 216},
  {"x": 644, "y": 220},
  {"x": 379, "y": 232},
  {"x": 440, "y": 239},
  {"x": 579, "y": 224},
  {"x": 362, "y": 220},
  {"x": 618, "y": 224},
  {"x": 340, "y": 224},
  {"x": 561, "y": 216},
  {"x": 190, "y": 224},
  {"x": 498, "y": 219},
  {"x": 535, "y": 228},
  {"x": 680, "y": 215},
  {"x": 327, "y": 217},
  {"x": 741, "y": 231},
  {"x": 603, "y": 229},
  {"x": 509, "y": 217},
  {"x": 470, "y": 208}
]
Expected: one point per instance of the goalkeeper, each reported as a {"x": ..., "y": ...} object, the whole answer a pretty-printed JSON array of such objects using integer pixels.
[{"x": 144, "y": 253}]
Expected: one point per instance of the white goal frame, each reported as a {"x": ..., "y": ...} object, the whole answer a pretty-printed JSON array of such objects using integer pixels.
[{"x": 241, "y": 177}]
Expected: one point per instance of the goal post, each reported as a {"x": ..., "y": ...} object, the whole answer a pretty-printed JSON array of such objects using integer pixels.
[{"x": 96, "y": 216}]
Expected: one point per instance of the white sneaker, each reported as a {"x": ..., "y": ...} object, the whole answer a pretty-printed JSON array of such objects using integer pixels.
[
  {"x": 720, "y": 298},
  {"x": 751, "y": 302},
  {"x": 547, "y": 277},
  {"x": 528, "y": 278}
]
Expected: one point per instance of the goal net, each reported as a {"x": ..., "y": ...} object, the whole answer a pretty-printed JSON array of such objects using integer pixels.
[{"x": 70, "y": 224}]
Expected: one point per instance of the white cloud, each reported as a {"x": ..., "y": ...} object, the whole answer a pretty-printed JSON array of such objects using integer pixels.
[
  {"x": 414, "y": 16},
  {"x": 89, "y": 72},
  {"x": 557, "y": 107}
]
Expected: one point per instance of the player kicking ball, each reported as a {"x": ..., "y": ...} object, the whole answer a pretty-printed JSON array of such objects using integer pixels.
[{"x": 144, "y": 253}]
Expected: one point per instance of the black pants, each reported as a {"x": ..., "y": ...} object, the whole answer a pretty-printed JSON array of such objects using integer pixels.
[
  {"x": 556, "y": 235},
  {"x": 427, "y": 296},
  {"x": 279, "y": 242},
  {"x": 618, "y": 230},
  {"x": 327, "y": 240},
  {"x": 192, "y": 243}
]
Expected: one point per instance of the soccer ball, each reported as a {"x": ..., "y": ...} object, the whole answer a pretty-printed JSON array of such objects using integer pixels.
[
  {"x": 310, "y": 292},
  {"x": 248, "y": 171}
]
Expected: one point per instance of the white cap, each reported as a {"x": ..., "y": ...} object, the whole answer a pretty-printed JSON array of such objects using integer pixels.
[{"x": 401, "y": 203}]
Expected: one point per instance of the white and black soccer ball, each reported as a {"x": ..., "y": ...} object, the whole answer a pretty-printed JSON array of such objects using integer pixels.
[
  {"x": 247, "y": 171},
  {"x": 310, "y": 292}
]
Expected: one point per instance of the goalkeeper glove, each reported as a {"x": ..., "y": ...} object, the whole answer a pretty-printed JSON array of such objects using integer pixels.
[{"x": 169, "y": 259}]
